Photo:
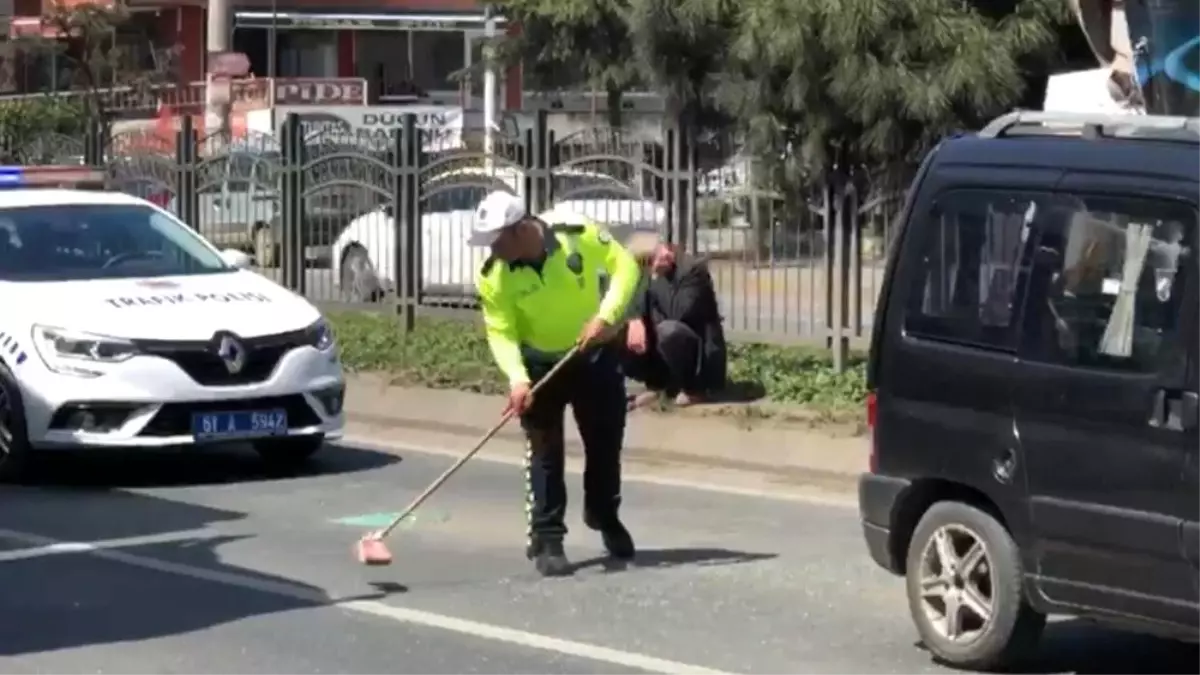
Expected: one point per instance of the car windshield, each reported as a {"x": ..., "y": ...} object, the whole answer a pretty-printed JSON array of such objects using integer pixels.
[{"x": 78, "y": 242}]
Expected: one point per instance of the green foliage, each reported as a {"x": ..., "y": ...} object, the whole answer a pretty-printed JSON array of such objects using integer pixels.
[
  {"x": 29, "y": 117},
  {"x": 852, "y": 87},
  {"x": 799, "y": 375},
  {"x": 612, "y": 45},
  {"x": 563, "y": 39},
  {"x": 452, "y": 354},
  {"x": 440, "y": 354},
  {"x": 29, "y": 126},
  {"x": 848, "y": 85},
  {"x": 683, "y": 47}
]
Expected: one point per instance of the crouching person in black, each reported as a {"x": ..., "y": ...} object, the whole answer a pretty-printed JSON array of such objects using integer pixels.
[{"x": 674, "y": 342}]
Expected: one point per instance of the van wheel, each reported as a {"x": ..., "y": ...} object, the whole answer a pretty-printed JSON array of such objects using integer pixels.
[
  {"x": 264, "y": 247},
  {"x": 14, "y": 437},
  {"x": 965, "y": 591},
  {"x": 359, "y": 282}
]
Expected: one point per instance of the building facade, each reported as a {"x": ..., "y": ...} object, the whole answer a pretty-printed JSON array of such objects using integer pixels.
[{"x": 406, "y": 50}]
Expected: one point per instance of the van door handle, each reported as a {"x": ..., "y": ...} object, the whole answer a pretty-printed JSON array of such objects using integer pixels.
[{"x": 1175, "y": 410}]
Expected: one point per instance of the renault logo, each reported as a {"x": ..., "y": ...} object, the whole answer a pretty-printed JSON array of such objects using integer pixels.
[{"x": 231, "y": 352}]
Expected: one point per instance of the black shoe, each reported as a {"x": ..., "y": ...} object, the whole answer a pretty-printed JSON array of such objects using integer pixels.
[
  {"x": 548, "y": 557},
  {"x": 617, "y": 540}
]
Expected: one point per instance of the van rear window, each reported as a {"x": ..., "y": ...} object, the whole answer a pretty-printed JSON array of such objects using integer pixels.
[
  {"x": 1101, "y": 275},
  {"x": 1109, "y": 289}
]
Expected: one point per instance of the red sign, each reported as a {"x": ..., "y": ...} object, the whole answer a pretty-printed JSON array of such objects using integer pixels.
[{"x": 320, "y": 91}]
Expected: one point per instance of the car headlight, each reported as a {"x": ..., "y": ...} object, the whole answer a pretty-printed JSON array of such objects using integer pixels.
[
  {"x": 72, "y": 352},
  {"x": 320, "y": 335}
]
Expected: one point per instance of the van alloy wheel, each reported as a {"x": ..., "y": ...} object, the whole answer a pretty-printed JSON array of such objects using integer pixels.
[
  {"x": 963, "y": 578},
  {"x": 956, "y": 583}
]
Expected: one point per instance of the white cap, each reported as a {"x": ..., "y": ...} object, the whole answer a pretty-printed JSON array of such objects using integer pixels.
[{"x": 497, "y": 211}]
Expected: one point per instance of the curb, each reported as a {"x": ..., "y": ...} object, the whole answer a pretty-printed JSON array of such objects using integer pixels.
[{"x": 833, "y": 480}]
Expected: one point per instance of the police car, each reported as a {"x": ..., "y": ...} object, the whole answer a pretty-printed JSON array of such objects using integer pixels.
[{"x": 124, "y": 328}]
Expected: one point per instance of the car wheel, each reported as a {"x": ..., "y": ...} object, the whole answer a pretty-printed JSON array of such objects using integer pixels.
[
  {"x": 14, "y": 438},
  {"x": 359, "y": 282},
  {"x": 288, "y": 453},
  {"x": 264, "y": 247},
  {"x": 965, "y": 591}
]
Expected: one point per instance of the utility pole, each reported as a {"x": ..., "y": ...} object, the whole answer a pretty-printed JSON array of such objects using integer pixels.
[
  {"x": 217, "y": 94},
  {"x": 272, "y": 42},
  {"x": 489, "y": 87}
]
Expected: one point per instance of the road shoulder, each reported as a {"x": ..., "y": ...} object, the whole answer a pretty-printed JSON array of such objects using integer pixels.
[{"x": 786, "y": 454}]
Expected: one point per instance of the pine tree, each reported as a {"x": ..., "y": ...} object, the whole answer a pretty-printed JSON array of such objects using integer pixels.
[
  {"x": 848, "y": 86},
  {"x": 561, "y": 39},
  {"x": 684, "y": 50}
]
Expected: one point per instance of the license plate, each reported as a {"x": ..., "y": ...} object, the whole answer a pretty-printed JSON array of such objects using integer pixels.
[{"x": 239, "y": 424}]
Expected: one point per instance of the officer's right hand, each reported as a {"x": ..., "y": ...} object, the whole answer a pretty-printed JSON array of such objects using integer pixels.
[{"x": 520, "y": 396}]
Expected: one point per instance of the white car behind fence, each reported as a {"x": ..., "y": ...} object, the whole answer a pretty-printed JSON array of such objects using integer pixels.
[{"x": 363, "y": 257}]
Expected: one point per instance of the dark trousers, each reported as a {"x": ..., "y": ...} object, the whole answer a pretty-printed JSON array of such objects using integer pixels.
[
  {"x": 671, "y": 362},
  {"x": 595, "y": 389}
]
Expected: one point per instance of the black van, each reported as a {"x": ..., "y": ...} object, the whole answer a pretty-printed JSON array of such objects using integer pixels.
[{"x": 1034, "y": 385}]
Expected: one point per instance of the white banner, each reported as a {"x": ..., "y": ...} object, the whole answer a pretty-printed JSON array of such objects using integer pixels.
[{"x": 371, "y": 125}]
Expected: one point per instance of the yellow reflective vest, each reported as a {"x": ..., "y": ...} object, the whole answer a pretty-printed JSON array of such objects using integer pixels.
[{"x": 534, "y": 313}]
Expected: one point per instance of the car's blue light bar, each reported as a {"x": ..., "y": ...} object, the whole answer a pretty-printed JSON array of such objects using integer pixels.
[
  {"x": 16, "y": 177},
  {"x": 12, "y": 176}
]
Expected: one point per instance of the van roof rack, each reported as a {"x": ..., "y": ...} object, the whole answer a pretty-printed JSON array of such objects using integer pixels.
[{"x": 1093, "y": 125}]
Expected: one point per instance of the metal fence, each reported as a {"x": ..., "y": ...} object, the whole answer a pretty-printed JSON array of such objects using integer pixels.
[{"x": 380, "y": 223}]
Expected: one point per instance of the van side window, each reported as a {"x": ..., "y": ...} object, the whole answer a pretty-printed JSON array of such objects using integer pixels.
[
  {"x": 1109, "y": 284},
  {"x": 975, "y": 252}
]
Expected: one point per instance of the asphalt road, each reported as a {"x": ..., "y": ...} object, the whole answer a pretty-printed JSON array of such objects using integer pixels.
[{"x": 199, "y": 563}]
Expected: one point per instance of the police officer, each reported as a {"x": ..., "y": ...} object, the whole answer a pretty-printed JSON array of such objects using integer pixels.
[{"x": 546, "y": 287}]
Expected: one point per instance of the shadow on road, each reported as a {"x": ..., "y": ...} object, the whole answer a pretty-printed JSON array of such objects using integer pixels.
[
  {"x": 676, "y": 557},
  {"x": 84, "y": 496},
  {"x": 72, "y": 601},
  {"x": 88, "y": 516},
  {"x": 140, "y": 591},
  {"x": 104, "y": 469},
  {"x": 1077, "y": 646}
]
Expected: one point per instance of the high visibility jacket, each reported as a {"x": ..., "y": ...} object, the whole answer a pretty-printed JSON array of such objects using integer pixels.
[{"x": 534, "y": 312}]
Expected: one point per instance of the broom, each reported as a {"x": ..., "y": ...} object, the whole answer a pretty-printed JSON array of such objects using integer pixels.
[{"x": 371, "y": 550}]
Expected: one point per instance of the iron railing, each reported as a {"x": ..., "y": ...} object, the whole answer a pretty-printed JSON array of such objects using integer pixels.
[{"x": 380, "y": 223}]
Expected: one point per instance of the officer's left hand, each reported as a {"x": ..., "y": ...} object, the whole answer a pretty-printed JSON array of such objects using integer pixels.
[{"x": 592, "y": 332}]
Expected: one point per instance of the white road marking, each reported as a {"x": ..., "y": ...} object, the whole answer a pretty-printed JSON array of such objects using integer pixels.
[
  {"x": 107, "y": 550},
  {"x": 41, "y": 546},
  {"x": 40, "y": 551},
  {"x": 527, "y": 639},
  {"x": 824, "y": 498}
]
